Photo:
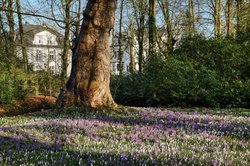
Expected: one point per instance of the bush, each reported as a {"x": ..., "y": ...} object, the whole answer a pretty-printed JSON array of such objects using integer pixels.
[
  {"x": 128, "y": 89},
  {"x": 180, "y": 83},
  {"x": 48, "y": 84},
  {"x": 211, "y": 73},
  {"x": 14, "y": 86},
  {"x": 228, "y": 57}
]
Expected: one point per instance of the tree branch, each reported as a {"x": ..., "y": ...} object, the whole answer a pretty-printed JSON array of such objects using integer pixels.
[{"x": 33, "y": 15}]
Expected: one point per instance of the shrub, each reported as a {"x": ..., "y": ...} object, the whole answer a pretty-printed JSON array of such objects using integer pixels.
[
  {"x": 14, "y": 86},
  {"x": 180, "y": 83},
  {"x": 128, "y": 89},
  {"x": 47, "y": 83},
  {"x": 211, "y": 73}
]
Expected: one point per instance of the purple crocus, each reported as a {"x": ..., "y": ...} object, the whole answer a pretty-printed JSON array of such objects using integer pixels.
[{"x": 8, "y": 153}]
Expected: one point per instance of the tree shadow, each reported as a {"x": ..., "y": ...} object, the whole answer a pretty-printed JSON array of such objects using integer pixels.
[
  {"x": 193, "y": 125},
  {"x": 31, "y": 151}
]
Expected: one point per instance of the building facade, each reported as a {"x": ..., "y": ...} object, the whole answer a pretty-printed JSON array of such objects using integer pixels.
[
  {"x": 125, "y": 51},
  {"x": 44, "y": 47}
]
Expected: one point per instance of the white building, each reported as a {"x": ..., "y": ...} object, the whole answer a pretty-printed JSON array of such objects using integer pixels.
[
  {"x": 44, "y": 47},
  {"x": 125, "y": 49}
]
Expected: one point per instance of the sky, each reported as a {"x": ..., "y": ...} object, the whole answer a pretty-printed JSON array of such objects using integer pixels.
[{"x": 43, "y": 9}]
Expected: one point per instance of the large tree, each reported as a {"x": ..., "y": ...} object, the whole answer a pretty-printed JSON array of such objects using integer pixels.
[{"x": 88, "y": 84}]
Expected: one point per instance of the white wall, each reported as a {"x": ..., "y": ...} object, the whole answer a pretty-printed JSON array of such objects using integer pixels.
[
  {"x": 45, "y": 38},
  {"x": 45, "y": 53}
]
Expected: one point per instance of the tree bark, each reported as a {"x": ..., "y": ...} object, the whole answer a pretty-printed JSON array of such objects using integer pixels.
[
  {"x": 164, "y": 5},
  {"x": 66, "y": 42},
  {"x": 229, "y": 19},
  {"x": 239, "y": 28},
  {"x": 25, "y": 58},
  {"x": 120, "y": 39},
  {"x": 88, "y": 84},
  {"x": 217, "y": 18},
  {"x": 5, "y": 36},
  {"x": 139, "y": 10},
  {"x": 132, "y": 48},
  {"x": 219, "y": 31},
  {"x": 11, "y": 22},
  {"x": 152, "y": 28},
  {"x": 191, "y": 21}
]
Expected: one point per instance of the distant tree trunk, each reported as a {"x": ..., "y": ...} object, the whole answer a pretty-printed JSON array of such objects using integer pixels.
[
  {"x": 239, "y": 28},
  {"x": 229, "y": 19},
  {"x": 141, "y": 42},
  {"x": 66, "y": 42},
  {"x": 152, "y": 28},
  {"x": 77, "y": 24},
  {"x": 140, "y": 10},
  {"x": 120, "y": 39},
  {"x": 89, "y": 82},
  {"x": 132, "y": 48},
  {"x": 217, "y": 18},
  {"x": 11, "y": 22},
  {"x": 164, "y": 5},
  {"x": 5, "y": 38},
  {"x": 20, "y": 22},
  {"x": 191, "y": 20},
  {"x": 78, "y": 21}
]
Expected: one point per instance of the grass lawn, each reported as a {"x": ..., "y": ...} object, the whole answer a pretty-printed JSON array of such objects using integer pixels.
[{"x": 144, "y": 136}]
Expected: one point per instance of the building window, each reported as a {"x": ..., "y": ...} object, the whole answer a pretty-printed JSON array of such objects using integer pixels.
[
  {"x": 37, "y": 67},
  {"x": 120, "y": 67},
  {"x": 51, "y": 55},
  {"x": 39, "y": 55},
  {"x": 113, "y": 69},
  {"x": 49, "y": 40},
  {"x": 52, "y": 69},
  {"x": 40, "y": 40}
]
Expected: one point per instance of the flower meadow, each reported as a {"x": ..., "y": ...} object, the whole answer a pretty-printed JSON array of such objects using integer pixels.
[{"x": 134, "y": 136}]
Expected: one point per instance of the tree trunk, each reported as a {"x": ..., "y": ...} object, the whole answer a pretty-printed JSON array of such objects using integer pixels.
[
  {"x": 141, "y": 46},
  {"x": 11, "y": 22},
  {"x": 164, "y": 5},
  {"x": 239, "y": 17},
  {"x": 191, "y": 21},
  {"x": 90, "y": 75},
  {"x": 25, "y": 58},
  {"x": 120, "y": 39},
  {"x": 217, "y": 18},
  {"x": 219, "y": 31},
  {"x": 152, "y": 28},
  {"x": 5, "y": 36},
  {"x": 229, "y": 19},
  {"x": 139, "y": 10},
  {"x": 66, "y": 42},
  {"x": 132, "y": 49}
]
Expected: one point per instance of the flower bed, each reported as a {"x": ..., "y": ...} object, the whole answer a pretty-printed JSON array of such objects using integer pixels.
[{"x": 143, "y": 136}]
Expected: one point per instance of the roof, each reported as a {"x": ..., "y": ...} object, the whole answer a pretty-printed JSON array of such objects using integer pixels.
[{"x": 30, "y": 30}]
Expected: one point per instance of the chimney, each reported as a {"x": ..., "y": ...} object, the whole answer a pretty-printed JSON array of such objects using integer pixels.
[{"x": 44, "y": 25}]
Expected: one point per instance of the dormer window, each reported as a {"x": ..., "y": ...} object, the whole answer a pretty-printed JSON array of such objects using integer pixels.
[
  {"x": 49, "y": 41},
  {"x": 40, "y": 40}
]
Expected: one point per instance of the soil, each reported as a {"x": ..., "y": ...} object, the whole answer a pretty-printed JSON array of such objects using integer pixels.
[{"x": 30, "y": 104}]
